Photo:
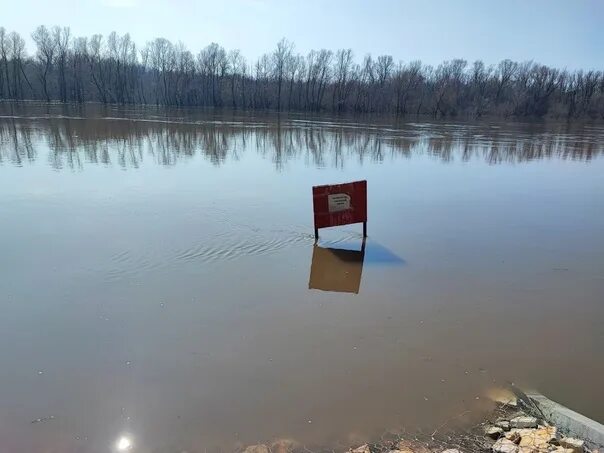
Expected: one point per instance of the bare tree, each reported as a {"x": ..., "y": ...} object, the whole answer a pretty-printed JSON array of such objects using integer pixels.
[
  {"x": 318, "y": 75},
  {"x": 60, "y": 37},
  {"x": 406, "y": 81},
  {"x": 237, "y": 69},
  {"x": 366, "y": 85},
  {"x": 162, "y": 61},
  {"x": 481, "y": 75},
  {"x": 506, "y": 71},
  {"x": 342, "y": 70},
  {"x": 281, "y": 56},
  {"x": 295, "y": 71},
  {"x": 94, "y": 56},
  {"x": 17, "y": 55},
  {"x": 46, "y": 53},
  {"x": 212, "y": 62},
  {"x": 4, "y": 77},
  {"x": 261, "y": 83},
  {"x": 78, "y": 61},
  {"x": 142, "y": 70},
  {"x": 384, "y": 66},
  {"x": 182, "y": 75}
]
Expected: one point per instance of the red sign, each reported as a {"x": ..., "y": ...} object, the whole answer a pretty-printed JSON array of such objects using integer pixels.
[{"x": 340, "y": 204}]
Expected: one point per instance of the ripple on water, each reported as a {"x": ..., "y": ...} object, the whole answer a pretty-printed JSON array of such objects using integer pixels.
[{"x": 224, "y": 246}]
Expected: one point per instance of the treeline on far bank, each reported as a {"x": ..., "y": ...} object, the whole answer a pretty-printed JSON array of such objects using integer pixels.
[{"x": 114, "y": 70}]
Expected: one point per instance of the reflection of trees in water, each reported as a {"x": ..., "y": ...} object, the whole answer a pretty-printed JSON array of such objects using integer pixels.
[
  {"x": 15, "y": 143},
  {"x": 75, "y": 142}
]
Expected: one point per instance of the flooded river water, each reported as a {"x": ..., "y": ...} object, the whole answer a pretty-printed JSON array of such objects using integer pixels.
[{"x": 155, "y": 275}]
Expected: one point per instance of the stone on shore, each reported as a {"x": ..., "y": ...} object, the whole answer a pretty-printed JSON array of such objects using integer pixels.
[
  {"x": 503, "y": 424},
  {"x": 494, "y": 432},
  {"x": 504, "y": 445},
  {"x": 537, "y": 439},
  {"x": 562, "y": 450},
  {"x": 362, "y": 449},
  {"x": 452, "y": 450},
  {"x": 284, "y": 446},
  {"x": 408, "y": 446},
  {"x": 524, "y": 421},
  {"x": 513, "y": 435},
  {"x": 260, "y": 448},
  {"x": 576, "y": 445}
]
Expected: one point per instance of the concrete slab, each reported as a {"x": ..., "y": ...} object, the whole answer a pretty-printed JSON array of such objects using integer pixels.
[{"x": 569, "y": 422}]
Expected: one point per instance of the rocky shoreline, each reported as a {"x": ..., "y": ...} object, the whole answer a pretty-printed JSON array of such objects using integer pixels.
[{"x": 510, "y": 428}]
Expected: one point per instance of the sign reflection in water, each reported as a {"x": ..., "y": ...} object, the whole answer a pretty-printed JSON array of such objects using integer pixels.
[{"x": 337, "y": 270}]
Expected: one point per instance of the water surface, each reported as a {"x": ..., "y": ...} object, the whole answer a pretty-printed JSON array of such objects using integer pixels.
[{"x": 160, "y": 278}]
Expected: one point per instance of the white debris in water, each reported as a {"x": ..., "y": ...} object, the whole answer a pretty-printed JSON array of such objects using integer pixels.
[{"x": 43, "y": 419}]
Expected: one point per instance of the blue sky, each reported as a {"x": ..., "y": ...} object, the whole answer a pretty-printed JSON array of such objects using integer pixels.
[{"x": 567, "y": 33}]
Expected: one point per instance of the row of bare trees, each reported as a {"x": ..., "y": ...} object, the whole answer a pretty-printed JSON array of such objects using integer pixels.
[{"x": 113, "y": 69}]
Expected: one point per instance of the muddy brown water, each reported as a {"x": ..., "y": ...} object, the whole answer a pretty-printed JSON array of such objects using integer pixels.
[{"x": 155, "y": 275}]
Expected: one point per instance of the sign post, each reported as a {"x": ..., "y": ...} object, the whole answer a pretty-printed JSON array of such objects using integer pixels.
[{"x": 340, "y": 204}]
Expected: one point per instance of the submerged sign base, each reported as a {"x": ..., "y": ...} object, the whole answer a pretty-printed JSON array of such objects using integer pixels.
[{"x": 340, "y": 204}]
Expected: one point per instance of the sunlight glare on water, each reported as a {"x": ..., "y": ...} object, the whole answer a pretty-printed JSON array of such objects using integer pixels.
[{"x": 123, "y": 444}]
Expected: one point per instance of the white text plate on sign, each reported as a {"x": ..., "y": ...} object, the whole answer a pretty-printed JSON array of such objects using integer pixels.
[{"x": 338, "y": 202}]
